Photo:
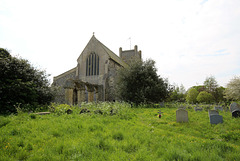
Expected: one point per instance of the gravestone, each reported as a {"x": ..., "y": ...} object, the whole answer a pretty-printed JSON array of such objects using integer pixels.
[
  {"x": 234, "y": 106},
  {"x": 181, "y": 115},
  {"x": 213, "y": 112},
  {"x": 236, "y": 113},
  {"x": 218, "y": 108},
  {"x": 197, "y": 108},
  {"x": 216, "y": 119},
  {"x": 161, "y": 104}
]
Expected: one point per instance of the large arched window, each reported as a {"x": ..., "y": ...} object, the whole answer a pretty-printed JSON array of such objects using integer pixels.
[{"x": 92, "y": 65}]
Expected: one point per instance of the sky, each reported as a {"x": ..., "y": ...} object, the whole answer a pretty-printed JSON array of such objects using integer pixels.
[{"x": 189, "y": 40}]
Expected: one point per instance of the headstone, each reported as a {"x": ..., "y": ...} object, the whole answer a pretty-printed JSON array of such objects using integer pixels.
[
  {"x": 213, "y": 112},
  {"x": 216, "y": 119},
  {"x": 236, "y": 113},
  {"x": 181, "y": 115},
  {"x": 234, "y": 106},
  {"x": 197, "y": 108},
  {"x": 161, "y": 104},
  {"x": 218, "y": 108}
]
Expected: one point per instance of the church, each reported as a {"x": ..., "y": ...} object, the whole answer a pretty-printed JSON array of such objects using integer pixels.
[{"x": 94, "y": 77}]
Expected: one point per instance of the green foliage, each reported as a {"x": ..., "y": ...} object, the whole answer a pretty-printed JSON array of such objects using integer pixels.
[
  {"x": 178, "y": 94},
  {"x": 210, "y": 84},
  {"x": 192, "y": 95},
  {"x": 205, "y": 97},
  {"x": 232, "y": 91},
  {"x": 139, "y": 83},
  {"x": 109, "y": 137},
  {"x": 21, "y": 84}
]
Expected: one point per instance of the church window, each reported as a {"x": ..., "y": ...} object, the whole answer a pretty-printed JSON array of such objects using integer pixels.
[{"x": 92, "y": 65}]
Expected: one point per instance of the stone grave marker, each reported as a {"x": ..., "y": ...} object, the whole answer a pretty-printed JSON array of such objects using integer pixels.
[
  {"x": 181, "y": 115},
  {"x": 234, "y": 106},
  {"x": 213, "y": 112},
  {"x": 161, "y": 104},
  {"x": 216, "y": 119},
  {"x": 218, "y": 108},
  {"x": 236, "y": 113},
  {"x": 235, "y": 109}
]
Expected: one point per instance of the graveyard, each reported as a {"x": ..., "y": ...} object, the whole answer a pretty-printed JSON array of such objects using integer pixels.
[{"x": 117, "y": 131}]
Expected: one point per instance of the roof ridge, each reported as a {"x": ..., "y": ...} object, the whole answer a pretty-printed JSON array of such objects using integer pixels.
[{"x": 120, "y": 61}]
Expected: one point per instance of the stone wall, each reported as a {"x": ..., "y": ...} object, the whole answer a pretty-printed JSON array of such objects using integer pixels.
[
  {"x": 110, "y": 84},
  {"x": 59, "y": 82}
]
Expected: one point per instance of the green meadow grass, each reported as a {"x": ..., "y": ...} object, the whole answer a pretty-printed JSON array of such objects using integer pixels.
[{"x": 125, "y": 134}]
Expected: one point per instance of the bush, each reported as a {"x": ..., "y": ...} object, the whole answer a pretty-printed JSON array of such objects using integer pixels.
[
  {"x": 21, "y": 84},
  {"x": 192, "y": 95},
  {"x": 205, "y": 97}
]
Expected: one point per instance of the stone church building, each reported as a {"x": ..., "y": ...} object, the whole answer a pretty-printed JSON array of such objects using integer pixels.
[{"x": 93, "y": 78}]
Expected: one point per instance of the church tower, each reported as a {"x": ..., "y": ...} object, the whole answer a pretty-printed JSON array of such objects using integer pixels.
[{"x": 130, "y": 55}]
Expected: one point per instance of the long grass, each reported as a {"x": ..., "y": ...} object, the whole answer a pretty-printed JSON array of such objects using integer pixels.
[{"x": 118, "y": 132}]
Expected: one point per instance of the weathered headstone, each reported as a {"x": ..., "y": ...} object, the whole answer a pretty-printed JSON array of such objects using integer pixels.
[
  {"x": 218, "y": 108},
  {"x": 234, "y": 106},
  {"x": 213, "y": 112},
  {"x": 236, "y": 113},
  {"x": 181, "y": 115},
  {"x": 216, "y": 119},
  {"x": 197, "y": 108},
  {"x": 161, "y": 104}
]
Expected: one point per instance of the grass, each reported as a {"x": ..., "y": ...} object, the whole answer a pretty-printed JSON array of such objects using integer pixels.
[{"x": 125, "y": 134}]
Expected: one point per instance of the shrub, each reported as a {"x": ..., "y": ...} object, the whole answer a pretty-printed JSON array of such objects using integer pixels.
[
  {"x": 21, "y": 83},
  {"x": 192, "y": 95},
  {"x": 205, "y": 97}
]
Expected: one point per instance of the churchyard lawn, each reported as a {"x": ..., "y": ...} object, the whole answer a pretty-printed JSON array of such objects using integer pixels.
[{"x": 115, "y": 131}]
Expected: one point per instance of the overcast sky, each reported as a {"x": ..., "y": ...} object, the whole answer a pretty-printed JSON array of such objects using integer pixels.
[{"x": 189, "y": 39}]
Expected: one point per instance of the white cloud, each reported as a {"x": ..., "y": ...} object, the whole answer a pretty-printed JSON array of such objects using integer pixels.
[{"x": 182, "y": 36}]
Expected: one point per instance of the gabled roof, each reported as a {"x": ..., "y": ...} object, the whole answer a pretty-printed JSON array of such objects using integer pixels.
[{"x": 111, "y": 54}]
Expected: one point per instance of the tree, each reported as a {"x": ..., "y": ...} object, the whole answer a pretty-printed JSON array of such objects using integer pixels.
[
  {"x": 178, "y": 94},
  {"x": 192, "y": 95},
  {"x": 210, "y": 84},
  {"x": 139, "y": 83},
  {"x": 233, "y": 89},
  {"x": 21, "y": 84},
  {"x": 205, "y": 97}
]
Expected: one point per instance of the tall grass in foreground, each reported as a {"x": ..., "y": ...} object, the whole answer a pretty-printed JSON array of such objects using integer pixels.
[{"x": 118, "y": 132}]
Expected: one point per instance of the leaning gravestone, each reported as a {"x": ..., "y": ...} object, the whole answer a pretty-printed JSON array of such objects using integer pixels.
[
  {"x": 235, "y": 109},
  {"x": 181, "y": 115},
  {"x": 234, "y": 106},
  {"x": 236, "y": 113},
  {"x": 216, "y": 119},
  {"x": 213, "y": 112}
]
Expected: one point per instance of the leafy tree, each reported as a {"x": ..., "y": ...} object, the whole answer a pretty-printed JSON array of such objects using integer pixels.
[
  {"x": 178, "y": 94},
  {"x": 205, "y": 97},
  {"x": 192, "y": 95},
  {"x": 233, "y": 89},
  {"x": 139, "y": 83},
  {"x": 210, "y": 84},
  {"x": 219, "y": 94},
  {"x": 21, "y": 84}
]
